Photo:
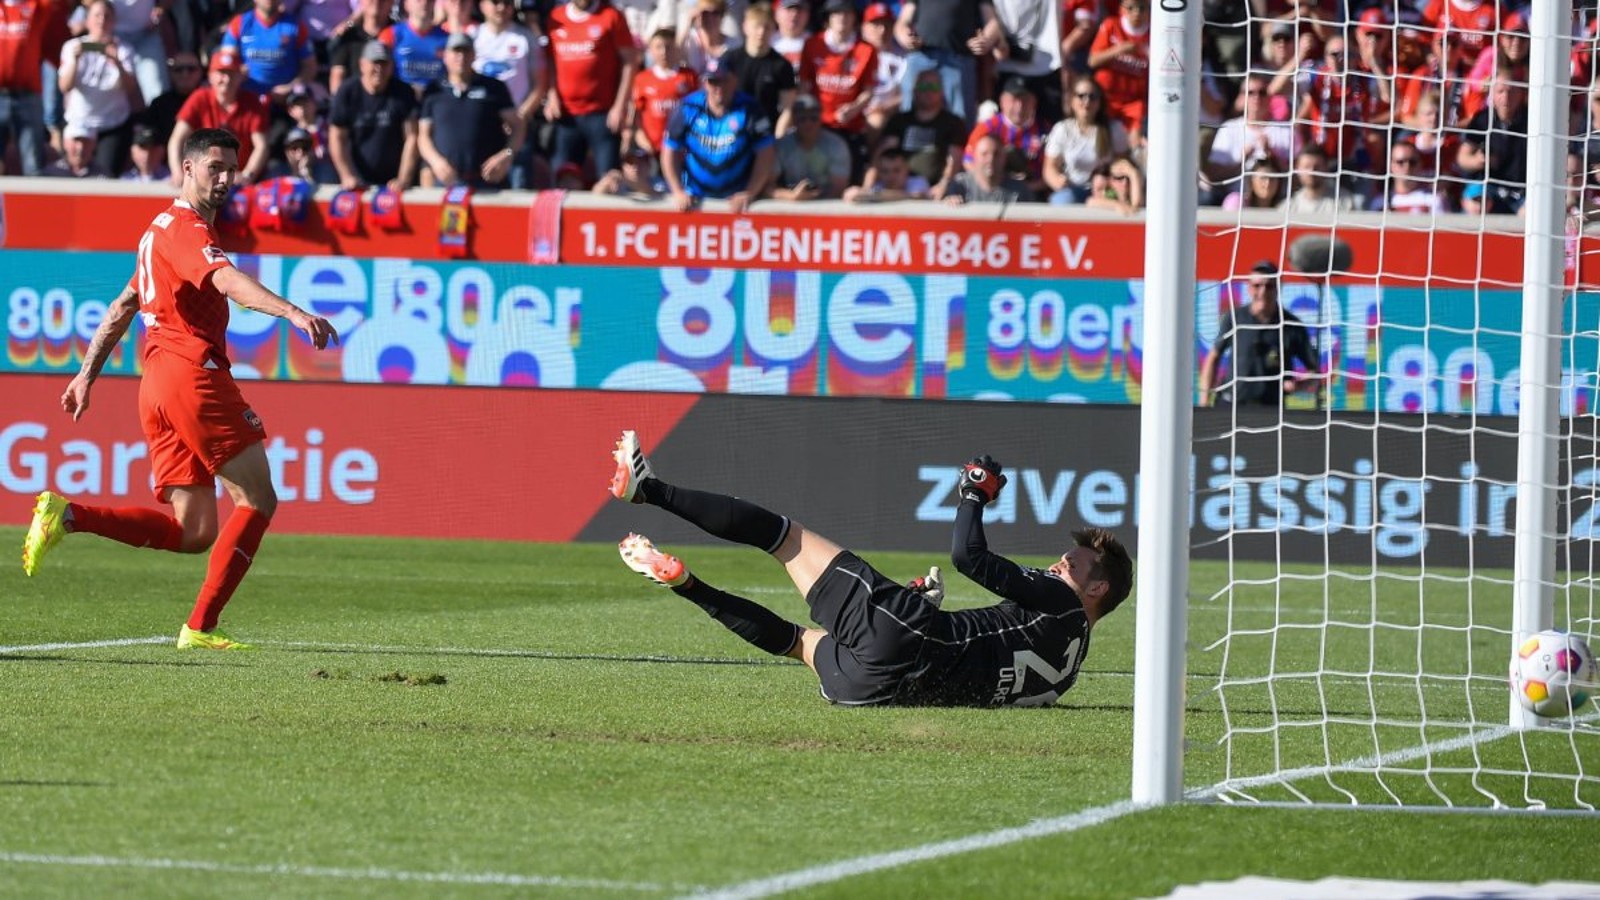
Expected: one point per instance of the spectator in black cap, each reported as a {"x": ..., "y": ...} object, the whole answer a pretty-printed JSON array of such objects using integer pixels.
[
  {"x": 300, "y": 159},
  {"x": 470, "y": 131},
  {"x": 1265, "y": 339},
  {"x": 305, "y": 111},
  {"x": 637, "y": 178},
  {"x": 372, "y": 130},
  {"x": 149, "y": 155},
  {"x": 1016, "y": 126}
]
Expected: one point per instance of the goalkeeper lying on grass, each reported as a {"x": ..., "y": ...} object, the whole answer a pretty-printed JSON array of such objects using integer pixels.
[{"x": 884, "y": 643}]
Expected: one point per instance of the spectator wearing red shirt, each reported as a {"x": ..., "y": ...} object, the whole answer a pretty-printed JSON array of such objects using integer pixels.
[
  {"x": 1462, "y": 29},
  {"x": 595, "y": 60},
  {"x": 841, "y": 71},
  {"x": 1374, "y": 54},
  {"x": 1420, "y": 72},
  {"x": 1339, "y": 107},
  {"x": 1120, "y": 57},
  {"x": 31, "y": 33},
  {"x": 658, "y": 90},
  {"x": 223, "y": 104}
]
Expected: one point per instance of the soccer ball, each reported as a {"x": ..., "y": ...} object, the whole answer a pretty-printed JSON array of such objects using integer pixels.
[{"x": 1553, "y": 673}]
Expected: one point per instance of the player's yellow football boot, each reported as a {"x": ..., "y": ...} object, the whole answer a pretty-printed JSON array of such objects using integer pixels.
[
  {"x": 642, "y": 556},
  {"x": 189, "y": 639},
  {"x": 48, "y": 526}
]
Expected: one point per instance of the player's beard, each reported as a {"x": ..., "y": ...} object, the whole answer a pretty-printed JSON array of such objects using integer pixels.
[{"x": 211, "y": 200}]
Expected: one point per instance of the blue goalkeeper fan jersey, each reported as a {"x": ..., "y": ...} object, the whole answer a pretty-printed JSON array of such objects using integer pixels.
[{"x": 719, "y": 151}]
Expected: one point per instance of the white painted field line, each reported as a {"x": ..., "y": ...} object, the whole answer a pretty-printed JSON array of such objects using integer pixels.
[
  {"x": 83, "y": 645},
  {"x": 849, "y": 868},
  {"x": 1367, "y": 764},
  {"x": 364, "y": 874},
  {"x": 861, "y": 865}
]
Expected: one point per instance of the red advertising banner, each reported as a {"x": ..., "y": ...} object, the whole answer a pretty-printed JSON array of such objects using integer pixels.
[
  {"x": 935, "y": 244},
  {"x": 450, "y": 462},
  {"x": 114, "y": 222},
  {"x": 922, "y": 239}
]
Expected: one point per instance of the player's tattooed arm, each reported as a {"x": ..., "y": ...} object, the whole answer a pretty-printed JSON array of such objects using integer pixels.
[
  {"x": 252, "y": 294},
  {"x": 119, "y": 315}
]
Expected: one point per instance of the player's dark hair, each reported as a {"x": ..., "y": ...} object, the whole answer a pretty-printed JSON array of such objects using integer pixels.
[
  {"x": 670, "y": 35},
  {"x": 201, "y": 142},
  {"x": 894, "y": 153},
  {"x": 1111, "y": 565}
]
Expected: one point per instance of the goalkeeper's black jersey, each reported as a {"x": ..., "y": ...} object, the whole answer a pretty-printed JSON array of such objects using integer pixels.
[{"x": 1024, "y": 651}]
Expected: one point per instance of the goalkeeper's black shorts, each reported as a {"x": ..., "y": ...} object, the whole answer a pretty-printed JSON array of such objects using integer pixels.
[{"x": 876, "y": 631}]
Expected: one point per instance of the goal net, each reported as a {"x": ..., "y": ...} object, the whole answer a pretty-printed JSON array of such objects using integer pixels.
[{"x": 1357, "y": 535}]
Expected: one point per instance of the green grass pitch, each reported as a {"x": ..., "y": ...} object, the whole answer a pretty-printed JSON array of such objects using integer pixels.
[{"x": 480, "y": 719}]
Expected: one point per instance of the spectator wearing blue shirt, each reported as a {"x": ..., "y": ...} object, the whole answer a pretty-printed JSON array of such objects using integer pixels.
[
  {"x": 275, "y": 47},
  {"x": 719, "y": 144},
  {"x": 417, "y": 45}
]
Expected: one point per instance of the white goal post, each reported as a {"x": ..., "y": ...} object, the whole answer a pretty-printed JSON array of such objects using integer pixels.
[
  {"x": 1356, "y": 680},
  {"x": 1166, "y": 416}
]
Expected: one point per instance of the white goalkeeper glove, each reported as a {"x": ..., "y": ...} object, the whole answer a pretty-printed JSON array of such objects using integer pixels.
[{"x": 930, "y": 586}]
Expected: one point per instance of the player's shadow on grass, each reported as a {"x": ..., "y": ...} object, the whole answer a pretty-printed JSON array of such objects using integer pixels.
[
  {"x": 27, "y": 782},
  {"x": 534, "y": 654}
]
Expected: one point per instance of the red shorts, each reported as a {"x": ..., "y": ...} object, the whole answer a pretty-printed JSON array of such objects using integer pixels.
[{"x": 194, "y": 419}]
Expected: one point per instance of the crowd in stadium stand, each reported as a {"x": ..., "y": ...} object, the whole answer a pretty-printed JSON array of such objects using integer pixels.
[{"x": 1307, "y": 105}]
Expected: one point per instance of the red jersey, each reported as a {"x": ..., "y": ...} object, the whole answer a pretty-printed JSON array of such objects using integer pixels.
[
  {"x": 247, "y": 117},
  {"x": 1340, "y": 109},
  {"x": 586, "y": 50},
  {"x": 1024, "y": 144},
  {"x": 183, "y": 313},
  {"x": 31, "y": 31},
  {"x": 839, "y": 77},
  {"x": 1425, "y": 79},
  {"x": 656, "y": 97},
  {"x": 1076, "y": 12},
  {"x": 1125, "y": 79},
  {"x": 1462, "y": 32},
  {"x": 1583, "y": 48}
]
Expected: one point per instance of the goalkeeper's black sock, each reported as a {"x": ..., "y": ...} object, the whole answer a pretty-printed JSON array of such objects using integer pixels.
[
  {"x": 719, "y": 515},
  {"x": 750, "y": 620}
]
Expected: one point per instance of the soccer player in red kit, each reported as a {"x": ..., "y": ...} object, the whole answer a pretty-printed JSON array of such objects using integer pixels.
[{"x": 195, "y": 421}]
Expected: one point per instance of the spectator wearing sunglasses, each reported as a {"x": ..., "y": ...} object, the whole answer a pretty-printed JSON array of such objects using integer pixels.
[
  {"x": 1078, "y": 141},
  {"x": 1407, "y": 190},
  {"x": 186, "y": 75}
]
